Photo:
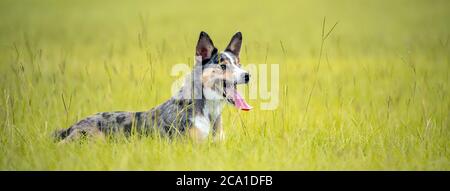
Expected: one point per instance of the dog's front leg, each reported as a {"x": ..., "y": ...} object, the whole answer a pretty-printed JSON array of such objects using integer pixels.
[
  {"x": 218, "y": 134},
  {"x": 200, "y": 128},
  {"x": 196, "y": 134}
]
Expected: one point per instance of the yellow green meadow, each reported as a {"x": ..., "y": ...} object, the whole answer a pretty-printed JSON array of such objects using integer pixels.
[{"x": 373, "y": 95}]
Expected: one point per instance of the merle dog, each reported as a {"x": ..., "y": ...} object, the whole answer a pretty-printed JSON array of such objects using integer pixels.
[{"x": 195, "y": 110}]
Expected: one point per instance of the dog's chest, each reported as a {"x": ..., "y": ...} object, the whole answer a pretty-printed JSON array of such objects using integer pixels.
[{"x": 211, "y": 111}]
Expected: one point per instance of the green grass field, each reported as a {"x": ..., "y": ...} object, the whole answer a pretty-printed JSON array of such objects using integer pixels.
[{"x": 377, "y": 98}]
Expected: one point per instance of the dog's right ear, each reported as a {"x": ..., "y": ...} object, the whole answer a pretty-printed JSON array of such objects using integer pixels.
[{"x": 205, "y": 47}]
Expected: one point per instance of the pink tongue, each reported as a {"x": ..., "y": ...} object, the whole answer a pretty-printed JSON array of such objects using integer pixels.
[{"x": 239, "y": 102}]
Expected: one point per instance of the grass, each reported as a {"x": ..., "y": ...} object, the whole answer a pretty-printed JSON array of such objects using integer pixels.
[{"x": 378, "y": 101}]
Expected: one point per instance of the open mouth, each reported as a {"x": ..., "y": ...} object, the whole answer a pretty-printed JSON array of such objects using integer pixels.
[{"x": 233, "y": 97}]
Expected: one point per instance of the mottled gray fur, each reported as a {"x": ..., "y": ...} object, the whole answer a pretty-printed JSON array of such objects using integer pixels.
[{"x": 172, "y": 117}]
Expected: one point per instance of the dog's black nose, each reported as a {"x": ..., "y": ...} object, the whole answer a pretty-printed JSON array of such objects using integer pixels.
[{"x": 246, "y": 77}]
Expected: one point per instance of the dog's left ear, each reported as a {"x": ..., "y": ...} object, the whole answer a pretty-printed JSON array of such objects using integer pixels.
[{"x": 235, "y": 44}]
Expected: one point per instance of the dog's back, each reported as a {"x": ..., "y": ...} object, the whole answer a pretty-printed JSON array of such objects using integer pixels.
[{"x": 170, "y": 118}]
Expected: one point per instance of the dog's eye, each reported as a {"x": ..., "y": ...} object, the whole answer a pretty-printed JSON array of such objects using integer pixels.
[
  {"x": 222, "y": 59},
  {"x": 223, "y": 66}
]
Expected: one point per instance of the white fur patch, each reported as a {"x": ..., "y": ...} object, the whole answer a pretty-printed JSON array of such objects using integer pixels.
[
  {"x": 211, "y": 94},
  {"x": 203, "y": 124},
  {"x": 212, "y": 109},
  {"x": 237, "y": 72}
]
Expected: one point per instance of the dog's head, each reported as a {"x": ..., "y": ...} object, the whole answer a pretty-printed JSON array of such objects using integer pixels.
[{"x": 221, "y": 71}]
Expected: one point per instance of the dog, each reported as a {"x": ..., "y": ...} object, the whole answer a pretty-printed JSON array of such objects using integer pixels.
[{"x": 194, "y": 111}]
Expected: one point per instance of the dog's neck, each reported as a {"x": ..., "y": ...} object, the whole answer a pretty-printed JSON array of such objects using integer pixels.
[
  {"x": 213, "y": 104},
  {"x": 208, "y": 101}
]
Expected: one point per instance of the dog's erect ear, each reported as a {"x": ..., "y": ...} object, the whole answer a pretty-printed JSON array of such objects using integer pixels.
[
  {"x": 205, "y": 47},
  {"x": 235, "y": 44}
]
